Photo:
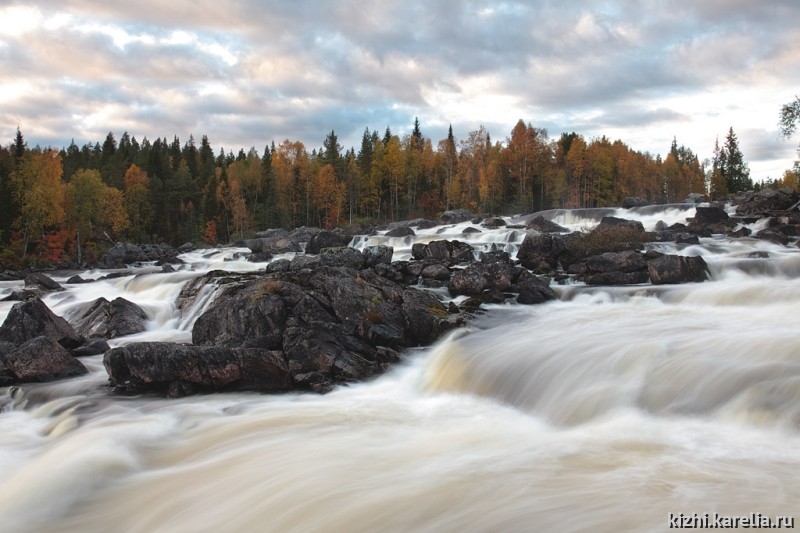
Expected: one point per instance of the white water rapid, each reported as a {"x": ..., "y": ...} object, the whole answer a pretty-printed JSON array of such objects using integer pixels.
[{"x": 605, "y": 410}]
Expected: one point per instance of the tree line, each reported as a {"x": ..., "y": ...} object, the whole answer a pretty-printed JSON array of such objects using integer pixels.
[{"x": 66, "y": 204}]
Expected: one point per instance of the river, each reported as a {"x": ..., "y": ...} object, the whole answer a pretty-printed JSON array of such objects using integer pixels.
[{"x": 608, "y": 409}]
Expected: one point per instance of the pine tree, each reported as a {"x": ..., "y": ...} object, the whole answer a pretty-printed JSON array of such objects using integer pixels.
[{"x": 732, "y": 166}]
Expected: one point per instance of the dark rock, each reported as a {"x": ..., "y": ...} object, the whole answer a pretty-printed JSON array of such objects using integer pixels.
[
  {"x": 279, "y": 265},
  {"x": 695, "y": 198},
  {"x": 186, "y": 247},
  {"x": 22, "y": 295},
  {"x": 121, "y": 255},
  {"x": 771, "y": 235},
  {"x": 44, "y": 283},
  {"x": 615, "y": 268},
  {"x": 92, "y": 346},
  {"x": 167, "y": 269},
  {"x": 456, "y": 215},
  {"x": 342, "y": 257},
  {"x": 436, "y": 271},
  {"x": 496, "y": 256},
  {"x": 471, "y": 229},
  {"x": 634, "y": 201},
  {"x": 532, "y": 290},
  {"x": 447, "y": 251},
  {"x": 11, "y": 275},
  {"x": 540, "y": 251},
  {"x": 272, "y": 245},
  {"x": 671, "y": 269},
  {"x": 541, "y": 224},
  {"x": 108, "y": 320},
  {"x": 469, "y": 281},
  {"x": 326, "y": 239},
  {"x": 494, "y": 222},
  {"x": 400, "y": 232},
  {"x": 709, "y": 215},
  {"x": 274, "y": 232},
  {"x": 300, "y": 262},
  {"x": 30, "y": 319},
  {"x": 766, "y": 200},
  {"x": 41, "y": 359},
  {"x": 615, "y": 222},
  {"x": 164, "y": 366},
  {"x": 687, "y": 238},
  {"x": 76, "y": 279},
  {"x": 376, "y": 255},
  {"x": 305, "y": 234},
  {"x": 260, "y": 257}
]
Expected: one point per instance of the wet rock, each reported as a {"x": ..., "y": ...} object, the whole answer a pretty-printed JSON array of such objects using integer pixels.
[
  {"x": 41, "y": 359},
  {"x": 471, "y": 229},
  {"x": 326, "y": 239},
  {"x": 273, "y": 232},
  {"x": 695, "y": 198},
  {"x": 186, "y": 247},
  {"x": 772, "y": 235},
  {"x": 332, "y": 325},
  {"x": 305, "y": 234},
  {"x": 540, "y": 252},
  {"x": 108, "y": 320},
  {"x": 634, "y": 201},
  {"x": 469, "y": 281},
  {"x": 446, "y": 251},
  {"x": 180, "y": 369},
  {"x": 300, "y": 262},
  {"x": 615, "y": 222},
  {"x": 494, "y": 222},
  {"x": 615, "y": 268},
  {"x": 376, "y": 255},
  {"x": 400, "y": 232},
  {"x": 709, "y": 215},
  {"x": 436, "y": 271},
  {"x": 279, "y": 265},
  {"x": 30, "y": 319},
  {"x": 93, "y": 346},
  {"x": 37, "y": 280},
  {"x": 541, "y": 224},
  {"x": 454, "y": 216},
  {"x": 765, "y": 201},
  {"x": 272, "y": 245},
  {"x": 671, "y": 269},
  {"x": 123, "y": 254},
  {"x": 341, "y": 257}
]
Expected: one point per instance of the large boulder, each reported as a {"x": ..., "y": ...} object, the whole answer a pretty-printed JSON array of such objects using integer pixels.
[
  {"x": 326, "y": 239},
  {"x": 616, "y": 268},
  {"x": 377, "y": 255},
  {"x": 540, "y": 251},
  {"x": 766, "y": 200},
  {"x": 541, "y": 224},
  {"x": 343, "y": 256},
  {"x": 41, "y": 359},
  {"x": 615, "y": 222},
  {"x": 32, "y": 318},
  {"x": 177, "y": 369},
  {"x": 108, "y": 320},
  {"x": 275, "y": 244},
  {"x": 709, "y": 215},
  {"x": 456, "y": 215},
  {"x": 401, "y": 231},
  {"x": 331, "y": 325},
  {"x": 497, "y": 278},
  {"x": 37, "y": 280},
  {"x": 634, "y": 201},
  {"x": 670, "y": 269},
  {"x": 446, "y": 251}
]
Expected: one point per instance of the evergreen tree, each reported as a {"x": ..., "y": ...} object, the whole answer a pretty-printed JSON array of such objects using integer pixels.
[{"x": 732, "y": 165}]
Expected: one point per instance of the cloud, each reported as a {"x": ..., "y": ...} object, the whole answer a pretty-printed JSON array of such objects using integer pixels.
[{"x": 247, "y": 72}]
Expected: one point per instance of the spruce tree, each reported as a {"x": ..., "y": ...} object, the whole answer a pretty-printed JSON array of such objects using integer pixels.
[{"x": 732, "y": 166}]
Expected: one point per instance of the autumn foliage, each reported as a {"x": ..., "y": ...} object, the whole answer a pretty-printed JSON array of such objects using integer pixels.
[{"x": 82, "y": 198}]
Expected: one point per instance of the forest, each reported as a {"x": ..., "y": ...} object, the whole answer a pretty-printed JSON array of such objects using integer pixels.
[{"x": 65, "y": 206}]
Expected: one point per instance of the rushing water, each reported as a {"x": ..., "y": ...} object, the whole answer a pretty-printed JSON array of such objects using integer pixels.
[{"x": 606, "y": 410}]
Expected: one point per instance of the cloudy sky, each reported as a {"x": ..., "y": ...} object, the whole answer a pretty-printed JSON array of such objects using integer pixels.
[{"x": 246, "y": 72}]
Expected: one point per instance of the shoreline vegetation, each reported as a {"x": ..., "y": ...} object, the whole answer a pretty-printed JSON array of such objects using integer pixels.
[{"x": 67, "y": 207}]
